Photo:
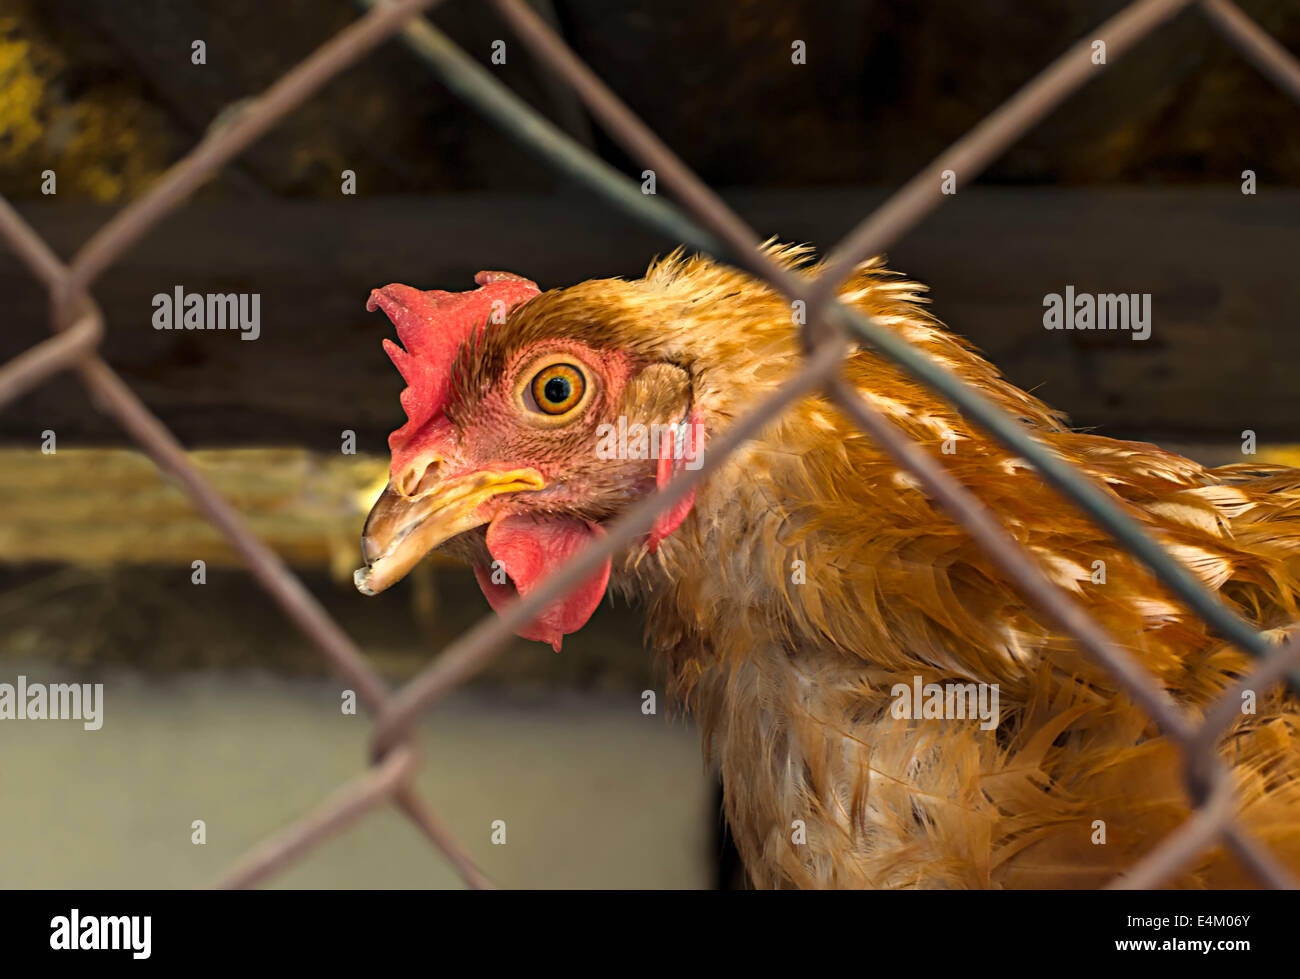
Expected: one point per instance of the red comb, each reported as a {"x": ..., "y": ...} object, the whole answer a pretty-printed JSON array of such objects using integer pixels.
[{"x": 432, "y": 325}]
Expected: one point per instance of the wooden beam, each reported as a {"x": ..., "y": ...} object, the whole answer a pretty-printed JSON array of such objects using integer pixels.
[
  {"x": 1221, "y": 358},
  {"x": 102, "y": 507}
]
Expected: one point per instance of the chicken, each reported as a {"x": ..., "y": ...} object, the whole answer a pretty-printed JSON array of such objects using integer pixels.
[{"x": 815, "y": 608}]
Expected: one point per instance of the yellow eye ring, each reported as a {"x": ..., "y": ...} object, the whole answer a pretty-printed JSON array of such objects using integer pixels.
[{"x": 557, "y": 388}]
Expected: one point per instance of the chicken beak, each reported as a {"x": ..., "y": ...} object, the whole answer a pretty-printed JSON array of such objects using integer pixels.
[{"x": 402, "y": 529}]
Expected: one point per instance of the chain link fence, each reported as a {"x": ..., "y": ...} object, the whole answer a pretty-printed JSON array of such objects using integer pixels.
[{"x": 831, "y": 329}]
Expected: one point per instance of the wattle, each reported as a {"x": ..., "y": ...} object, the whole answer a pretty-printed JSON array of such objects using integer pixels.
[{"x": 527, "y": 548}]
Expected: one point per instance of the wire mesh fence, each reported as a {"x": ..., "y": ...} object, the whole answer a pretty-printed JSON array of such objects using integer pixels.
[{"x": 829, "y": 334}]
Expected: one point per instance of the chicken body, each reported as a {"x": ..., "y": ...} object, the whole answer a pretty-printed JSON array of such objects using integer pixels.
[{"x": 812, "y": 585}]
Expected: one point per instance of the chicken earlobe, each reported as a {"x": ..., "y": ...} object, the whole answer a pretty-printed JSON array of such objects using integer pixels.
[{"x": 674, "y": 456}]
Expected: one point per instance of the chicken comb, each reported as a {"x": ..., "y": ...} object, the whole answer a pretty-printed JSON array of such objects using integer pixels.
[{"x": 432, "y": 325}]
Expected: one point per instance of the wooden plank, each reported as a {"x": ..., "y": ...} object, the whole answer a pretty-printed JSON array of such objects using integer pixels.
[{"x": 106, "y": 507}]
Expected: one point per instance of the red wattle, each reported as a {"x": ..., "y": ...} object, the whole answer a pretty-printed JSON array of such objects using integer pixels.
[{"x": 527, "y": 549}]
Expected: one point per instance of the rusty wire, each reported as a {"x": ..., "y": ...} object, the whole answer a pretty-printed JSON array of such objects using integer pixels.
[{"x": 79, "y": 330}]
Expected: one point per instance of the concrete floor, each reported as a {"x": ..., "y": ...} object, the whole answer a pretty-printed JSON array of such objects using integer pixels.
[{"x": 593, "y": 793}]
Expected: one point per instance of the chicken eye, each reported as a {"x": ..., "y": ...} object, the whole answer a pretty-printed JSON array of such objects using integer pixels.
[{"x": 558, "y": 388}]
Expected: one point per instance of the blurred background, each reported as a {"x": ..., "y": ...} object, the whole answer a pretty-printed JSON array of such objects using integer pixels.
[{"x": 215, "y": 707}]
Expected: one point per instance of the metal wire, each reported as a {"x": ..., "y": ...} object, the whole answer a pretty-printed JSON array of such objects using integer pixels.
[{"x": 79, "y": 330}]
